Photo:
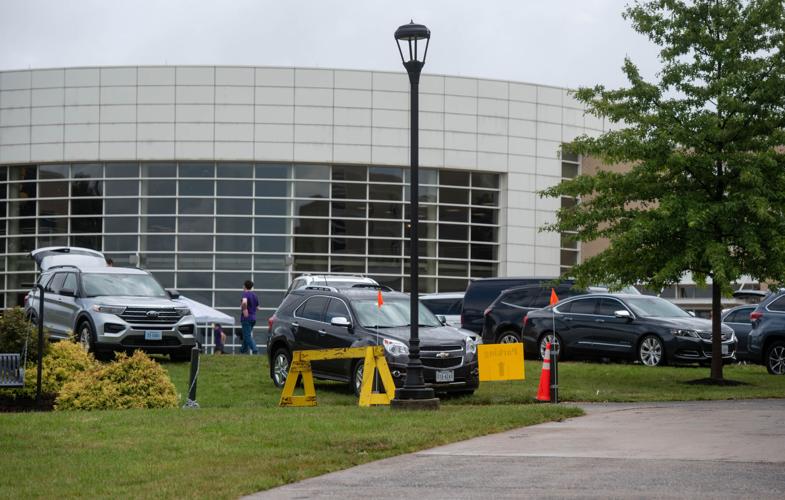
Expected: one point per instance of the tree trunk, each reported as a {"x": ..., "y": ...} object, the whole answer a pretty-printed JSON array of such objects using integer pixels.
[{"x": 716, "y": 331}]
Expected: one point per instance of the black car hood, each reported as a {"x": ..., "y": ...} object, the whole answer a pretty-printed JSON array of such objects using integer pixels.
[
  {"x": 699, "y": 324},
  {"x": 438, "y": 335}
]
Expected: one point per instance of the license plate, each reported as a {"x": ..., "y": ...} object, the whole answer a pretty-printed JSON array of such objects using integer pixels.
[
  {"x": 152, "y": 335},
  {"x": 445, "y": 376},
  {"x": 724, "y": 348}
]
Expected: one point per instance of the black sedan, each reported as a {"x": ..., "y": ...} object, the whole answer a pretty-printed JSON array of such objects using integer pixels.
[{"x": 648, "y": 329}]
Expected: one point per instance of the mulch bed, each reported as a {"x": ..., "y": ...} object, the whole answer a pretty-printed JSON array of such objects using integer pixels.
[{"x": 24, "y": 404}]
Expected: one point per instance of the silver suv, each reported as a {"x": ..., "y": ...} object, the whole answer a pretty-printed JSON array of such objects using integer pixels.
[{"x": 112, "y": 309}]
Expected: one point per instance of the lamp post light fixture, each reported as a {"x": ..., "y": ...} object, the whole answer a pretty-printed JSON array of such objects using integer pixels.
[{"x": 414, "y": 393}]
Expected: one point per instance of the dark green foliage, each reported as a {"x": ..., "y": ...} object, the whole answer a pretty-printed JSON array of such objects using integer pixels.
[
  {"x": 706, "y": 188},
  {"x": 15, "y": 329}
]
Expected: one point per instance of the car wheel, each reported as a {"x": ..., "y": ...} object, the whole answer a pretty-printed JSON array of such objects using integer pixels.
[
  {"x": 555, "y": 344},
  {"x": 509, "y": 337},
  {"x": 282, "y": 360},
  {"x": 775, "y": 358},
  {"x": 357, "y": 376},
  {"x": 32, "y": 317},
  {"x": 84, "y": 336},
  {"x": 651, "y": 352}
]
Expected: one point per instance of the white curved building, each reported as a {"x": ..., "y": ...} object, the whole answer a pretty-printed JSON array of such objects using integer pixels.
[{"x": 214, "y": 175}]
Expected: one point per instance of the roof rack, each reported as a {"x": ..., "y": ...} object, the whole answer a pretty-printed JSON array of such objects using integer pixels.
[
  {"x": 383, "y": 288},
  {"x": 321, "y": 287}
]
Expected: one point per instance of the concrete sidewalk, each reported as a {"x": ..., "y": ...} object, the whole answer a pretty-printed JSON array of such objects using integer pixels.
[{"x": 713, "y": 449}]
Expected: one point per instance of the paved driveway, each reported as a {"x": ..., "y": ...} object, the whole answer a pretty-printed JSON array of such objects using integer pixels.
[{"x": 716, "y": 449}]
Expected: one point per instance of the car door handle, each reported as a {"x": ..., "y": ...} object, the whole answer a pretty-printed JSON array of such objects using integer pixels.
[
  {"x": 295, "y": 325},
  {"x": 322, "y": 332},
  {"x": 567, "y": 318},
  {"x": 599, "y": 321}
]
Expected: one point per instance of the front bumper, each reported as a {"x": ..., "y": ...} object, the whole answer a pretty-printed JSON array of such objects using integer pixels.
[
  {"x": 465, "y": 376},
  {"x": 115, "y": 334},
  {"x": 689, "y": 350}
]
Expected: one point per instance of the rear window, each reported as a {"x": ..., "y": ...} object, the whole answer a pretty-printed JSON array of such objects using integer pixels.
[
  {"x": 777, "y": 304},
  {"x": 443, "y": 306}
]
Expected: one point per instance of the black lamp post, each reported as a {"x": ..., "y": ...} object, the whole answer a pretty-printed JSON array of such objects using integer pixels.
[{"x": 414, "y": 393}]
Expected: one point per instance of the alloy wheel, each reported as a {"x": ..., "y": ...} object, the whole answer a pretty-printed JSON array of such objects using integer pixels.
[
  {"x": 508, "y": 338},
  {"x": 650, "y": 351},
  {"x": 776, "y": 360},
  {"x": 280, "y": 368},
  {"x": 555, "y": 344}
]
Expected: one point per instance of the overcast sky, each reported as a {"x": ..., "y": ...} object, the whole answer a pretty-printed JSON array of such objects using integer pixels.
[{"x": 567, "y": 43}]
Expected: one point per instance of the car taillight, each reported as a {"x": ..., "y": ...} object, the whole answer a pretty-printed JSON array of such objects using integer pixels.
[
  {"x": 755, "y": 315},
  {"x": 525, "y": 320},
  {"x": 270, "y": 323}
]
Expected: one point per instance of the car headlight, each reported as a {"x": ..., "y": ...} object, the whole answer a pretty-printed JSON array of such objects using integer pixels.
[
  {"x": 182, "y": 311},
  {"x": 471, "y": 346},
  {"x": 395, "y": 348},
  {"x": 678, "y": 332},
  {"x": 101, "y": 308}
]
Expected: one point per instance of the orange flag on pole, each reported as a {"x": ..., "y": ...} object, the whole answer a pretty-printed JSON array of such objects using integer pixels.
[
  {"x": 379, "y": 299},
  {"x": 554, "y": 297}
]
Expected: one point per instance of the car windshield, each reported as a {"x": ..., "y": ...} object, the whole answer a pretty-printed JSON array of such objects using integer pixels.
[
  {"x": 393, "y": 313},
  {"x": 133, "y": 285},
  {"x": 655, "y": 307}
]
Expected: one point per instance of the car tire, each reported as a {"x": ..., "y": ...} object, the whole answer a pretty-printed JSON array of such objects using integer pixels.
[
  {"x": 279, "y": 368},
  {"x": 85, "y": 336},
  {"x": 509, "y": 337},
  {"x": 651, "y": 351},
  {"x": 555, "y": 341},
  {"x": 32, "y": 317},
  {"x": 775, "y": 358},
  {"x": 357, "y": 376}
]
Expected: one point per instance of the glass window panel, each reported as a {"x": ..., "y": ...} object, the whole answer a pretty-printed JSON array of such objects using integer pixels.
[
  {"x": 453, "y": 250},
  {"x": 195, "y": 206},
  {"x": 311, "y": 172},
  {"x": 272, "y": 171},
  {"x": 384, "y": 266},
  {"x": 310, "y": 263},
  {"x": 194, "y": 261},
  {"x": 568, "y": 155},
  {"x": 391, "y": 281},
  {"x": 122, "y": 188},
  {"x": 45, "y": 241},
  {"x": 53, "y": 189},
  {"x": 55, "y": 171},
  {"x": 567, "y": 202},
  {"x": 310, "y": 226},
  {"x": 487, "y": 198},
  {"x": 454, "y": 214},
  {"x": 490, "y": 181},
  {"x": 122, "y": 225},
  {"x": 165, "y": 279},
  {"x": 484, "y": 252},
  {"x": 193, "y": 243},
  {"x": 427, "y": 248},
  {"x": 484, "y": 215},
  {"x": 311, "y": 190},
  {"x": 158, "y": 187},
  {"x": 53, "y": 207},
  {"x": 454, "y": 178},
  {"x": 21, "y": 209},
  {"x": 453, "y": 268},
  {"x": 349, "y": 173},
  {"x": 227, "y": 299},
  {"x": 271, "y": 244},
  {"x": 230, "y": 261},
  {"x": 87, "y": 206},
  {"x": 306, "y": 208},
  {"x": 86, "y": 187},
  {"x": 385, "y": 210},
  {"x": 343, "y": 209},
  {"x": 120, "y": 243},
  {"x": 427, "y": 176},
  {"x": 158, "y": 206},
  {"x": 427, "y": 267},
  {"x": 235, "y": 170},
  {"x": 197, "y": 169},
  {"x": 233, "y": 244},
  {"x": 159, "y": 170},
  {"x": 427, "y": 194},
  {"x": 194, "y": 187},
  {"x": 272, "y": 189},
  {"x": 233, "y": 280},
  {"x": 194, "y": 280},
  {"x": 453, "y": 232},
  {"x": 484, "y": 234},
  {"x": 264, "y": 225},
  {"x": 384, "y": 192},
  {"x": 233, "y": 224},
  {"x": 310, "y": 245},
  {"x": 482, "y": 269},
  {"x": 347, "y": 265},
  {"x": 87, "y": 241},
  {"x": 269, "y": 262},
  {"x": 157, "y": 243},
  {"x": 347, "y": 227},
  {"x": 271, "y": 207},
  {"x": 454, "y": 196},
  {"x": 159, "y": 261},
  {"x": 569, "y": 257},
  {"x": 425, "y": 231},
  {"x": 85, "y": 224},
  {"x": 21, "y": 262},
  {"x": 195, "y": 224},
  {"x": 122, "y": 206},
  {"x": 452, "y": 285},
  {"x": 386, "y": 174},
  {"x": 354, "y": 246},
  {"x": 239, "y": 206},
  {"x": 378, "y": 246},
  {"x": 122, "y": 170},
  {"x": 158, "y": 224},
  {"x": 568, "y": 242},
  {"x": 569, "y": 170},
  {"x": 20, "y": 245},
  {"x": 384, "y": 229},
  {"x": 235, "y": 188},
  {"x": 349, "y": 190},
  {"x": 87, "y": 171}
]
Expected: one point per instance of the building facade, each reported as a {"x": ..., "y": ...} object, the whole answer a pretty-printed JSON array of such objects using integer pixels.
[{"x": 213, "y": 175}]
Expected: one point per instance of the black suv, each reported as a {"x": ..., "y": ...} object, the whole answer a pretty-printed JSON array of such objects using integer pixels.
[
  {"x": 319, "y": 317},
  {"x": 766, "y": 341},
  {"x": 481, "y": 292}
]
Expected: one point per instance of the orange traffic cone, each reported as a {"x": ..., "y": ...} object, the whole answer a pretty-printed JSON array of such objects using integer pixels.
[{"x": 544, "y": 392}]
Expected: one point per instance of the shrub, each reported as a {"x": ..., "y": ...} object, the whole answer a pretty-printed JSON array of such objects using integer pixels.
[
  {"x": 65, "y": 361},
  {"x": 129, "y": 382},
  {"x": 15, "y": 330}
]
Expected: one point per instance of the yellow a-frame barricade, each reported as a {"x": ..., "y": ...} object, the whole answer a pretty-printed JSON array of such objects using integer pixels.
[{"x": 374, "y": 360}]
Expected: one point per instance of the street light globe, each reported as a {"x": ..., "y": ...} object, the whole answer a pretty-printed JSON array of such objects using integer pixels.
[{"x": 410, "y": 34}]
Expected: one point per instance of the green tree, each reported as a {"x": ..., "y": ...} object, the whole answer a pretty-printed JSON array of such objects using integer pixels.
[{"x": 705, "y": 191}]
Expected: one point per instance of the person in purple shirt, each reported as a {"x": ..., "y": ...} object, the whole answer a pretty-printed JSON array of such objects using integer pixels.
[{"x": 248, "y": 306}]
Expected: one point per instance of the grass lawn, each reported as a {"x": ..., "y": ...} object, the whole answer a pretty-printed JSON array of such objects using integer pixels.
[{"x": 239, "y": 441}]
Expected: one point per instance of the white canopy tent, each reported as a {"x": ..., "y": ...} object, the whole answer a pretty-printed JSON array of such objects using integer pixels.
[{"x": 205, "y": 317}]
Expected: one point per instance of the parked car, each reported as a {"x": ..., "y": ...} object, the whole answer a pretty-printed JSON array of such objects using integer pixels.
[
  {"x": 504, "y": 316},
  {"x": 481, "y": 292},
  {"x": 333, "y": 280},
  {"x": 738, "y": 318},
  {"x": 766, "y": 340},
  {"x": 320, "y": 317},
  {"x": 110, "y": 308},
  {"x": 446, "y": 304},
  {"x": 648, "y": 329}
]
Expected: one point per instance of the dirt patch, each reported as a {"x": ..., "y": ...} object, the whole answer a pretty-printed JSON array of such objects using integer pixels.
[{"x": 711, "y": 381}]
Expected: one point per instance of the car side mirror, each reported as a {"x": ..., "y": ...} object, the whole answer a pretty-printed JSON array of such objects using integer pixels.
[
  {"x": 691, "y": 313},
  {"x": 340, "y": 321},
  {"x": 173, "y": 294},
  {"x": 442, "y": 319},
  {"x": 67, "y": 292},
  {"x": 623, "y": 314}
]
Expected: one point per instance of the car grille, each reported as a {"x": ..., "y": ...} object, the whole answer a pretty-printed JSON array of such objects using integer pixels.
[
  {"x": 707, "y": 335},
  {"x": 441, "y": 357},
  {"x": 149, "y": 316}
]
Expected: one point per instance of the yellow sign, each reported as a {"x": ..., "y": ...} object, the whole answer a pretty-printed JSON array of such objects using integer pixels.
[
  {"x": 374, "y": 360},
  {"x": 500, "y": 362}
]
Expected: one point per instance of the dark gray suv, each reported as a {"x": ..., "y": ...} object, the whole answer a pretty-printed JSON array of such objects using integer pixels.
[{"x": 766, "y": 340}]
